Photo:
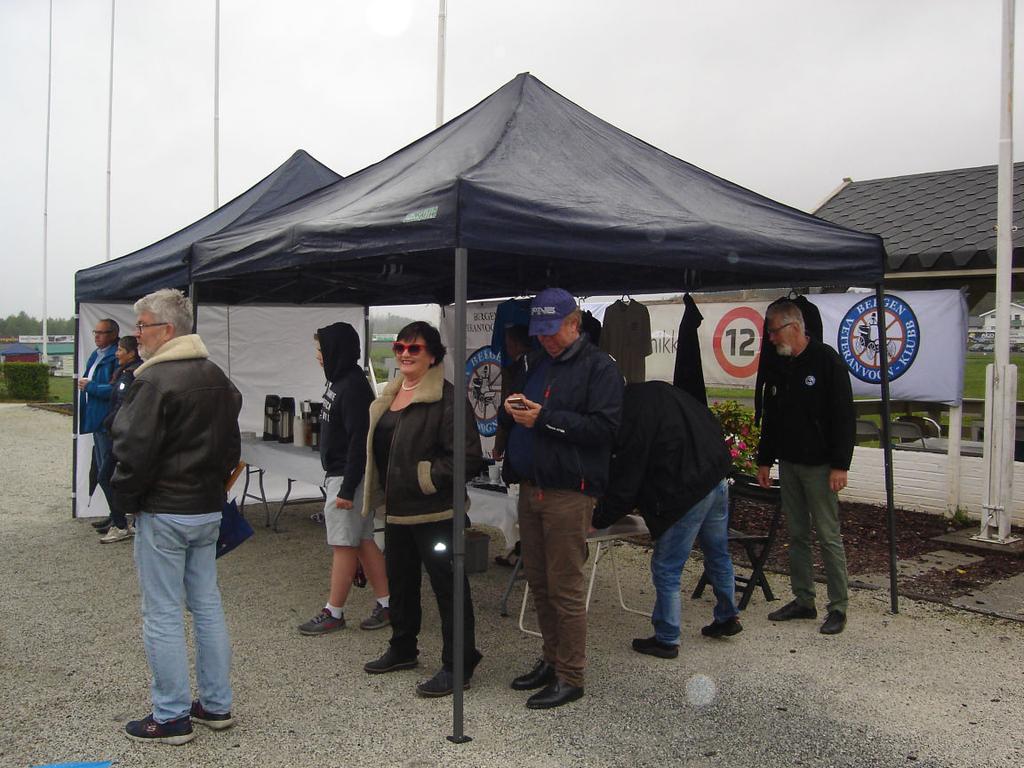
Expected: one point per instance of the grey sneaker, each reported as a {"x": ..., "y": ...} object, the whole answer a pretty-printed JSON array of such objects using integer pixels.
[
  {"x": 379, "y": 618},
  {"x": 322, "y": 623},
  {"x": 117, "y": 534}
]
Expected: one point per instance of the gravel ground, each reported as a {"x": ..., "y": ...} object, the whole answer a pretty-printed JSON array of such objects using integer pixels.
[{"x": 931, "y": 685}]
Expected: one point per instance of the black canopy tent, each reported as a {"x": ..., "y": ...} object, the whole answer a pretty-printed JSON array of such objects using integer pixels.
[{"x": 522, "y": 191}]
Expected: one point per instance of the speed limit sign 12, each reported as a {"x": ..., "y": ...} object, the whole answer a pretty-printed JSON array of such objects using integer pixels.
[{"x": 737, "y": 341}]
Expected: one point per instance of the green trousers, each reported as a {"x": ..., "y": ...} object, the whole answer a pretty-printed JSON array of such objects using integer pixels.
[{"x": 807, "y": 500}]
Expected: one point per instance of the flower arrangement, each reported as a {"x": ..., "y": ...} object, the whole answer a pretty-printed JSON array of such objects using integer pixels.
[{"x": 740, "y": 432}]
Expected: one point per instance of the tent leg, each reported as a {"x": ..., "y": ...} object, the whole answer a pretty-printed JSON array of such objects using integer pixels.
[
  {"x": 883, "y": 362},
  {"x": 74, "y": 417},
  {"x": 459, "y": 500}
]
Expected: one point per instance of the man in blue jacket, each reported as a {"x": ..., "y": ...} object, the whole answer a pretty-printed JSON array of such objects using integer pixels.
[
  {"x": 563, "y": 415},
  {"x": 94, "y": 396}
]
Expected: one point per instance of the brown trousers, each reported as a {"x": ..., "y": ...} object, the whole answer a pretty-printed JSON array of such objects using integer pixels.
[{"x": 553, "y": 529}]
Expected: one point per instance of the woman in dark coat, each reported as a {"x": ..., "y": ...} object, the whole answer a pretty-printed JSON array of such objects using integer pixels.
[
  {"x": 409, "y": 470},
  {"x": 127, "y": 354}
]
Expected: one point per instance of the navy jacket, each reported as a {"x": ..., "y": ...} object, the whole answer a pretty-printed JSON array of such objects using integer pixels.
[
  {"x": 94, "y": 400},
  {"x": 574, "y": 433}
]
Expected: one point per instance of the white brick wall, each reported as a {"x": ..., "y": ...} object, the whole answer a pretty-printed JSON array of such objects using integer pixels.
[{"x": 920, "y": 481}]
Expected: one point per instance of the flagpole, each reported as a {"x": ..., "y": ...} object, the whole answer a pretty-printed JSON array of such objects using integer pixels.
[
  {"x": 216, "y": 109},
  {"x": 442, "y": 23},
  {"x": 110, "y": 123},
  {"x": 46, "y": 172}
]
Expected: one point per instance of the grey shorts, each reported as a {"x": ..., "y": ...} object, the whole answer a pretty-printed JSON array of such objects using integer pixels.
[{"x": 346, "y": 527}]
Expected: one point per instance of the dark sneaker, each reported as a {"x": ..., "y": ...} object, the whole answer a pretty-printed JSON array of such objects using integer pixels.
[
  {"x": 835, "y": 623},
  {"x": 652, "y": 646},
  {"x": 379, "y": 618},
  {"x": 101, "y": 523},
  {"x": 322, "y": 623},
  {"x": 441, "y": 684},
  {"x": 793, "y": 610},
  {"x": 209, "y": 719},
  {"x": 174, "y": 732},
  {"x": 726, "y": 628},
  {"x": 391, "y": 662}
]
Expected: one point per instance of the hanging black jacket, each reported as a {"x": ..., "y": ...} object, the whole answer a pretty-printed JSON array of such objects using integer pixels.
[
  {"x": 345, "y": 416},
  {"x": 669, "y": 454}
]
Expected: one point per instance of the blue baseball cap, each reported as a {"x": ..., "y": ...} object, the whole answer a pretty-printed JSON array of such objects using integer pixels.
[{"x": 548, "y": 309}]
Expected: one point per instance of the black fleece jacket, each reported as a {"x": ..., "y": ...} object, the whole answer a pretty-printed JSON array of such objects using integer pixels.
[
  {"x": 346, "y": 407},
  {"x": 669, "y": 454},
  {"x": 808, "y": 411}
]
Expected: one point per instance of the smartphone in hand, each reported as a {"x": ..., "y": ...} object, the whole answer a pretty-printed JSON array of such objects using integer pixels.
[{"x": 517, "y": 403}]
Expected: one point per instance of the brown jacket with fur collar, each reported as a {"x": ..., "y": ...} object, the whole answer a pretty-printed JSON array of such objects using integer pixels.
[{"x": 418, "y": 486}]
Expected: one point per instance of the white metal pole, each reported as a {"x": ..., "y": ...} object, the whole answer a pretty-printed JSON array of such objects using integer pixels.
[
  {"x": 110, "y": 123},
  {"x": 216, "y": 109},
  {"x": 1001, "y": 379},
  {"x": 46, "y": 172},
  {"x": 442, "y": 23}
]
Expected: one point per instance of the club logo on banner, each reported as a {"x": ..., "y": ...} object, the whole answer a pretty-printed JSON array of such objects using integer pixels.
[
  {"x": 483, "y": 388},
  {"x": 858, "y": 343}
]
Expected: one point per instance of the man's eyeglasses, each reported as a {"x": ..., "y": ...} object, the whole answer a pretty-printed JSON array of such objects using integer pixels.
[
  {"x": 773, "y": 331},
  {"x": 140, "y": 326},
  {"x": 400, "y": 349}
]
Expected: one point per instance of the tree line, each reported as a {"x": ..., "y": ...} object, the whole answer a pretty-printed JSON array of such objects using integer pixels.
[{"x": 22, "y": 324}]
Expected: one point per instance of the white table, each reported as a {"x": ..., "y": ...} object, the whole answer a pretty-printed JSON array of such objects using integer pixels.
[{"x": 298, "y": 462}]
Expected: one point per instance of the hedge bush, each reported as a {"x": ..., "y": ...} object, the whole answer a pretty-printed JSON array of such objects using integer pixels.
[{"x": 27, "y": 381}]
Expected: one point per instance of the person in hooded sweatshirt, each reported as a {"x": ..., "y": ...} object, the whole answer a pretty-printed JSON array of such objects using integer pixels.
[{"x": 344, "y": 422}]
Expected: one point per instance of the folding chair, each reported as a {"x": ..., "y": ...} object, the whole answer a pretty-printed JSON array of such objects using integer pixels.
[
  {"x": 601, "y": 543},
  {"x": 757, "y": 545},
  {"x": 867, "y": 431}
]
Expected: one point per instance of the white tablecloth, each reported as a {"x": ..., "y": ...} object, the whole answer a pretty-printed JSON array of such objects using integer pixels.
[{"x": 486, "y": 507}]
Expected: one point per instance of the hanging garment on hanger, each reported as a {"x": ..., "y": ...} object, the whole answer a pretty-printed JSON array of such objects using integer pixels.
[
  {"x": 508, "y": 313},
  {"x": 626, "y": 336},
  {"x": 591, "y": 326},
  {"x": 689, "y": 372},
  {"x": 770, "y": 359}
]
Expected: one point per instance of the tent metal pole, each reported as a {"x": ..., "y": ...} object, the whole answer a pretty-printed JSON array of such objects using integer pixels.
[
  {"x": 74, "y": 416},
  {"x": 459, "y": 494},
  {"x": 192, "y": 289},
  {"x": 883, "y": 368}
]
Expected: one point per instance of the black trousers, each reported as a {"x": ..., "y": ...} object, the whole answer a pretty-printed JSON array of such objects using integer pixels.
[{"x": 406, "y": 549}]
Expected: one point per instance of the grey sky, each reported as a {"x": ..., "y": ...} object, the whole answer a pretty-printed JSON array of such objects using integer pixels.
[{"x": 782, "y": 97}]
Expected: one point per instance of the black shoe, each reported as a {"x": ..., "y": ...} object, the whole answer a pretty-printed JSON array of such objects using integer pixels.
[
  {"x": 102, "y": 529},
  {"x": 793, "y": 610},
  {"x": 835, "y": 623},
  {"x": 652, "y": 646},
  {"x": 541, "y": 674},
  {"x": 174, "y": 732},
  {"x": 441, "y": 684},
  {"x": 213, "y": 721},
  {"x": 103, "y": 521},
  {"x": 555, "y": 694},
  {"x": 390, "y": 662},
  {"x": 719, "y": 629}
]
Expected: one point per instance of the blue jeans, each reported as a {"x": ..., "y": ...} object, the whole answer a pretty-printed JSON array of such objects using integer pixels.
[
  {"x": 708, "y": 519},
  {"x": 176, "y": 567}
]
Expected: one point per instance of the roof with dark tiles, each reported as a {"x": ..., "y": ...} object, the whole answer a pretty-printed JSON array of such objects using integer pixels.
[{"x": 931, "y": 221}]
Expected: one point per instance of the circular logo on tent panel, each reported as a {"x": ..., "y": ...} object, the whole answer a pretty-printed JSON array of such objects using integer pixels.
[
  {"x": 483, "y": 388},
  {"x": 858, "y": 342},
  {"x": 737, "y": 341}
]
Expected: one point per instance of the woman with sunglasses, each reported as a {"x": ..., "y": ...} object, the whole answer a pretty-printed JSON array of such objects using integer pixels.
[{"x": 409, "y": 470}]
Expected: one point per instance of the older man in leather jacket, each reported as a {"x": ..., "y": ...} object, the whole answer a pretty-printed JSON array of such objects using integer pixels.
[{"x": 176, "y": 441}]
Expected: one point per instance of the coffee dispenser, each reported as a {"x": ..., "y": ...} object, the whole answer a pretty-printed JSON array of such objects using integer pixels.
[
  {"x": 272, "y": 417},
  {"x": 314, "y": 424},
  {"x": 307, "y": 430},
  {"x": 287, "y": 433}
]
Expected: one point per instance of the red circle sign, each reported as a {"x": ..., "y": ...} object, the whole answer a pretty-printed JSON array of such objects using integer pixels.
[{"x": 737, "y": 345}]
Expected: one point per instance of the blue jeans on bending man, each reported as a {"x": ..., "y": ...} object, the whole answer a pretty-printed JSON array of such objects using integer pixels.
[{"x": 707, "y": 520}]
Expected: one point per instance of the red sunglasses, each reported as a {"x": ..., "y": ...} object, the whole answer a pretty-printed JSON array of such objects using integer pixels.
[{"x": 400, "y": 349}]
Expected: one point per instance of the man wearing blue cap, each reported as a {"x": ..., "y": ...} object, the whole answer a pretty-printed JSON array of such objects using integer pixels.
[{"x": 563, "y": 415}]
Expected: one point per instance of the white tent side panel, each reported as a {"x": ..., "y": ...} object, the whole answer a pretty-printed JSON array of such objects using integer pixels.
[{"x": 264, "y": 350}]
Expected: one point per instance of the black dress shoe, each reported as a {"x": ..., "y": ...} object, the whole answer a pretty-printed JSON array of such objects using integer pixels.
[
  {"x": 652, "y": 646},
  {"x": 555, "y": 694},
  {"x": 835, "y": 623},
  {"x": 542, "y": 674},
  {"x": 441, "y": 684},
  {"x": 793, "y": 610},
  {"x": 719, "y": 629},
  {"x": 390, "y": 662},
  {"x": 103, "y": 521}
]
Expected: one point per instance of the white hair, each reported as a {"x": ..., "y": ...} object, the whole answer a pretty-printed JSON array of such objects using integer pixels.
[
  {"x": 168, "y": 305},
  {"x": 788, "y": 312}
]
